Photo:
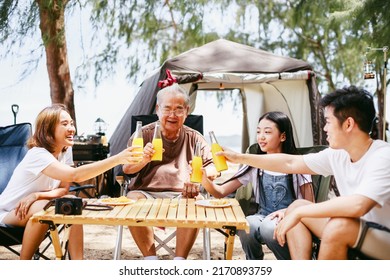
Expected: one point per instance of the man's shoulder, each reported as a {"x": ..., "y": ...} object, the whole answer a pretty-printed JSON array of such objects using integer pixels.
[
  {"x": 190, "y": 131},
  {"x": 381, "y": 144},
  {"x": 380, "y": 147},
  {"x": 148, "y": 129},
  {"x": 149, "y": 126}
]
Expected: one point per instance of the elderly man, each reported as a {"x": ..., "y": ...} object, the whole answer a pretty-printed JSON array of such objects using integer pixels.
[{"x": 167, "y": 178}]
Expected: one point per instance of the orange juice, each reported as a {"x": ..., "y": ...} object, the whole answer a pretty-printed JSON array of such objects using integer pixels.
[
  {"x": 158, "y": 147},
  {"x": 196, "y": 176},
  {"x": 138, "y": 142},
  {"x": 219, "y": 161}
]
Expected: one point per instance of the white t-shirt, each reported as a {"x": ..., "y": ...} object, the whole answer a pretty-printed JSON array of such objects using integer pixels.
[
  {"x": 370, "y": 176},
  {"x": 252, "y": 177},
  {"x": 28, "y": 177}
]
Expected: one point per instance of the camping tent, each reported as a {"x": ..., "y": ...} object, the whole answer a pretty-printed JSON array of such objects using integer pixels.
[{"x": 266, "y": 82}]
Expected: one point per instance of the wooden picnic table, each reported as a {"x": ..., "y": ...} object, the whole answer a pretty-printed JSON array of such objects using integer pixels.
[{"x": 159, "y": 212}]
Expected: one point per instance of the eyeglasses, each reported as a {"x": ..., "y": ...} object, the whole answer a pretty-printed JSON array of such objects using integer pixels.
[{"x": 178, "y": 112}]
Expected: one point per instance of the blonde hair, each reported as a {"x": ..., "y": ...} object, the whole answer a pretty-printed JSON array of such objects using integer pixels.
[{"x": 45, "y": 125}]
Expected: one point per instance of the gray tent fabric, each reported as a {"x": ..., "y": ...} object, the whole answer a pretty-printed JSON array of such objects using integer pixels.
[
  {"x": 220, "y": 56},
  {"x": 226, "y": 56}
]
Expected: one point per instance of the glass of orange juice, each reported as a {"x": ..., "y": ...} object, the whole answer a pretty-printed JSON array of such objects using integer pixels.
[
  {"x": 219, "y": 161},
  {"x": 138, "y": 140},
  {"x": 157, "y": 143},
  {"x": 196, "y": 175},
  {"x": 158, "y": 147}
]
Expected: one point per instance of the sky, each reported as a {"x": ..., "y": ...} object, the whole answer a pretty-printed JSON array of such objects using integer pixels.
[{"x": 109, "y": 101}]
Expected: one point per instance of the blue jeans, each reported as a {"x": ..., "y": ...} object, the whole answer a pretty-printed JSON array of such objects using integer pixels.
[
  {"x": 275, "y": 194},
  {"x": 261, "y": 232}
]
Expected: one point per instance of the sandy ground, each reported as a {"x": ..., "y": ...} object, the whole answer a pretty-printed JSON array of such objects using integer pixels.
[{"x": 100, "y": 243}]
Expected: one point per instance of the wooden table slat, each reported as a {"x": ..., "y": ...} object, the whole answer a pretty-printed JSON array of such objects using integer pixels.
[
  {"x": 210, "y": 215},
  {"x": 220, "y": 215},
  {"x": 191, "y": 211},
  {"x": 143, "y": 212},
  {"x": 182, "y": 210},
  {"x": 156, "y": 212},
  {"x": 172, "y": 211},
  {"x": 124, "y": 212},
  {"x": 229, "y": 214},
  {"x": 162, "y": 214},
  {"x": 200, "y": 214},
  {"x": 152, "y": 215},
  {"x": 238, "y": 213},
  {"x": 136, "y": 207},
  {"x": 114, "y": 212}
]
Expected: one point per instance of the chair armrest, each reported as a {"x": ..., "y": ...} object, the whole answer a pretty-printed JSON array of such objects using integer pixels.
[{"x": 83, "y": 189}]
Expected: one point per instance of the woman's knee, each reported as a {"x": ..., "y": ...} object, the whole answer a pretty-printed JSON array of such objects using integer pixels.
[
  {"x": 254, "y": 222},
  {"x": 268, "y": 227}
]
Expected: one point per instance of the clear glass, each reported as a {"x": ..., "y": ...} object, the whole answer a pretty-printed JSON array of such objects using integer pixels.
[
  {"x": 157, "y": 143},
  {"x": 196, "y": 175},
  {"x": 137, "y": 140},
  {"x": 219, "y": 161}
]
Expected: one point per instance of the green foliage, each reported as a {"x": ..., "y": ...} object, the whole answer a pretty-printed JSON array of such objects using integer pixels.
[
  {"x": 17, "y": 21},
  {"x": 139, "y": 35},
  {"x": 145, "y": 32},
  {"x": 371, "y": 24}
]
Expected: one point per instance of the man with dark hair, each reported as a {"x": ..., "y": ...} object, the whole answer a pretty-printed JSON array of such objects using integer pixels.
[{"x": 360, "y": 217}]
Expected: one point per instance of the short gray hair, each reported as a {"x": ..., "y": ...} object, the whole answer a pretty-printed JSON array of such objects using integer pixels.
[{"x": 175, "y": 89}]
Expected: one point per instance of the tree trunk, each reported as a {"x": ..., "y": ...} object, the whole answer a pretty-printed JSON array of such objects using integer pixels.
[
  {"x": 381, "y": 111},
  {"x": 52, "y": 25}
]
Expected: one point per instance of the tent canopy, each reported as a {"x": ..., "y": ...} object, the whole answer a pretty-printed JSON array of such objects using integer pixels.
[{"x": 266, "y": 82}]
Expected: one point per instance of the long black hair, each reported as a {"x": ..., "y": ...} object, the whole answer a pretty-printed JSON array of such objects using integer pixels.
[{"x": 283, "y": 124}]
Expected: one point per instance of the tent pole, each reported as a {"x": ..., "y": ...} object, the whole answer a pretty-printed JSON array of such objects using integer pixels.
[{"x": 385, "y": 49}]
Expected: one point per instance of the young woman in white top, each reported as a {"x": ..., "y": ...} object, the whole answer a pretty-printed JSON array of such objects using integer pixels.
[
  {"x": 44, "y": 174},
  {"x": 273, "y": 191}
]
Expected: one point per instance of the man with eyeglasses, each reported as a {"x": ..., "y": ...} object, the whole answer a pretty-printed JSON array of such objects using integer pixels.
[{"x": 166, "y": 178}]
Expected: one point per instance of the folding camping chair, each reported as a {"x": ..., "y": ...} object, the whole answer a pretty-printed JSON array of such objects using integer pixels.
[
  {"x": 321, "y": 186},
  {"x": 13, "y": 148},
  {"x": 195, "y": 122}
]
